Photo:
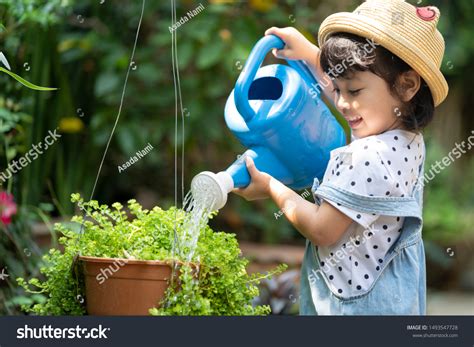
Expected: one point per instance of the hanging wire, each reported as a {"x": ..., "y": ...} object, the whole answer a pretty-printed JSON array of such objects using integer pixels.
[
  {"x": 132, "y": 56},
  {"x": 178, "y": 96},
  {"x": 175, "y": 232}
]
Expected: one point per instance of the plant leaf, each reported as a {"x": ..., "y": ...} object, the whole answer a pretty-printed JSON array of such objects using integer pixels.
[{"x": 25, "y": 82}]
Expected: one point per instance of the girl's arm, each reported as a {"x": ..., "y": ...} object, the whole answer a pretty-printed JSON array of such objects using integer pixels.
[
  {"x": 324, "y": 81},
  {"x": 298, "y": 47},
  {"x": 322, "y": 225}
]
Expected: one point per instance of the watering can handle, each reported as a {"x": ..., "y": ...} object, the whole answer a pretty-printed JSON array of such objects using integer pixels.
[{"x": 255, "y": 59}]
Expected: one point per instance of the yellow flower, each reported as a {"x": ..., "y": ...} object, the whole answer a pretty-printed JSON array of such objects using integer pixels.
[
  {"x": 220, "y": 2},
  {"x": 66, "y": 45},
  {"x": 262, "y": 5},
  {"x": 225, "y": 34},
  {"x": 70, "y": 125}
]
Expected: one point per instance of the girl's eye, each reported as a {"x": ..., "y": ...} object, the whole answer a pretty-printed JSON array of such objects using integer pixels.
[
  {"x": 336, "y": 90},
  {"x": 354, "y": 92}
]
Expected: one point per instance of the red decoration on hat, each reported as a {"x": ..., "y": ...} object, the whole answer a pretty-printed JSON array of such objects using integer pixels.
[{"x": 426, "y": 13}]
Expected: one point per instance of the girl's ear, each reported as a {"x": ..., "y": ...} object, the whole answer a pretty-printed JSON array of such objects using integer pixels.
[{"x": 408, "y": 84}]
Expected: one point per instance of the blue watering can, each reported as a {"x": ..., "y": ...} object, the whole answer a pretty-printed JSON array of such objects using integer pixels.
[{"x": 277, "y": 113}]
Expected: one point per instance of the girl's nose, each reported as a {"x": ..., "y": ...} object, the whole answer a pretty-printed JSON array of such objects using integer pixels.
[{"x": 342, "y": 105}]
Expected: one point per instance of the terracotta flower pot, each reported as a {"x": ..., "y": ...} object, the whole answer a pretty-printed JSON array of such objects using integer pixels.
[{"x": 124, "y": 286}]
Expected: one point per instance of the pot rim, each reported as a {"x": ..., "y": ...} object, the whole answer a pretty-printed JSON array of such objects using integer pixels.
[{"x": 168, "y": 262}]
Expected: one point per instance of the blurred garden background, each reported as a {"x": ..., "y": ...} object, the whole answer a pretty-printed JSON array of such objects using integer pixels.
[{"x": 83, "y": 48}]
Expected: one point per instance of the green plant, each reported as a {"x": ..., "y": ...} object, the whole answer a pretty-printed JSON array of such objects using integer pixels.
[
  {"x": 20, "y": 255},
  {"x": 222, "y": 286}
]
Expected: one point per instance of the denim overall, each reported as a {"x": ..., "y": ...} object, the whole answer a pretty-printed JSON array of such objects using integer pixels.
[{"x": 400, "y": 288}]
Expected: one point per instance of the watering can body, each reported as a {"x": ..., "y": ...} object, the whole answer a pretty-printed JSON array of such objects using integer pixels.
[{"x": 277, "y": 113}]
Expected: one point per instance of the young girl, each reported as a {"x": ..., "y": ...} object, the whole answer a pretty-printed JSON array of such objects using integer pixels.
[{"x": 364, "y": 253}]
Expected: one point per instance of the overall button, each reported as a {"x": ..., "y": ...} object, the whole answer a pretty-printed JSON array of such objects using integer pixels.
[{"x": 315, "y": 186}]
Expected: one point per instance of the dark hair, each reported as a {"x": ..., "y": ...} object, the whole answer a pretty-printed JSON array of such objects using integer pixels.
[{"x": 343, "y": 47}]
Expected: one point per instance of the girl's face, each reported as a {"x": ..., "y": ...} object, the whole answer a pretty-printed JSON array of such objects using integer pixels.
[{"x": 366, "y": 103}]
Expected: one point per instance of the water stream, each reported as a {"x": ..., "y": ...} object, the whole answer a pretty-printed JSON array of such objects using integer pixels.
[{"x": 197, "y": 205}]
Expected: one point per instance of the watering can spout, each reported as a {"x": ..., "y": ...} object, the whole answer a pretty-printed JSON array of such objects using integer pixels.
[
  {"x": 218, "y": 186},
  {"x": 215, "y": 186}
]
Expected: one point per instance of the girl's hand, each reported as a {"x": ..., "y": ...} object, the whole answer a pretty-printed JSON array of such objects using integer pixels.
[
  {"x": 297, "y": 47},
  {"x": 259, "y": 187}
]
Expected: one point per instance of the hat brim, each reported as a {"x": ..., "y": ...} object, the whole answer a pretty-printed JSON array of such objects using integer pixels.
[{"x": 385, "y": 36}]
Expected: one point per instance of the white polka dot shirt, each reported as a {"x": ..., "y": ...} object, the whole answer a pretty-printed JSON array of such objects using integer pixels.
[{"x": 381, "y": 165}]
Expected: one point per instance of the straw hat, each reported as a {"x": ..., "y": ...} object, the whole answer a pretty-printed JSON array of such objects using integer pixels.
[{"x": 405, "y": 30}]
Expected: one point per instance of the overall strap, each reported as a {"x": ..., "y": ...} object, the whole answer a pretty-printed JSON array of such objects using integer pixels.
[{"x": 389, "y": 206}]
